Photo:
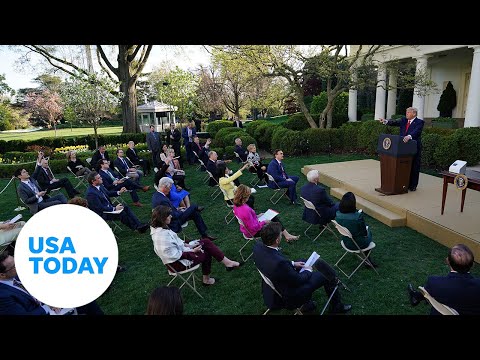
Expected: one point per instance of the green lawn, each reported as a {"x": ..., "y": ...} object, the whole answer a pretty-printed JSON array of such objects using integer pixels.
[
  {"x": 60, "y": 133},
  {"x": 403, "y": 255}
]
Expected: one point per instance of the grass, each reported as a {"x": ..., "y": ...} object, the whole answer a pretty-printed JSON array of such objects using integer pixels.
[
  {"x": 35, "y": 135},
  {"x": 403, "y": 255}
]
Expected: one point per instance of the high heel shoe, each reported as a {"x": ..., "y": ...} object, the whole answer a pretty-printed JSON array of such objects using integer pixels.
[{"x": 230, "y": 268}]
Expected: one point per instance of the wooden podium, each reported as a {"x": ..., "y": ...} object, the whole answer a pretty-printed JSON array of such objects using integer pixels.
[{"x": 395, "y": 163}]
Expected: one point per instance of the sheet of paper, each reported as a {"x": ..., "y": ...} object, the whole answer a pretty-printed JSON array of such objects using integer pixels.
[
  {"x": 268, "y": 215},
  {"x": 311, "y": 260},
  {"x": 113, "y": 212},
  {"x": 16, "y": 218}
]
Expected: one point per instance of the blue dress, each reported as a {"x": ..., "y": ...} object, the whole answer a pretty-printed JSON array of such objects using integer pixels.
[{"x": 176, "y": 196}]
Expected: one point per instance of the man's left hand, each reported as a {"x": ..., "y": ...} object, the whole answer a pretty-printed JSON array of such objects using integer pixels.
[{"x": 407, "y": 138}]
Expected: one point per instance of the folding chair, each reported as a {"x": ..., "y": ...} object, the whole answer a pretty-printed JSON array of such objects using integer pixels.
[
  {"x": 227, "y": 218},
  {"x": 441, "y": 308},
  {"x": 89, "y": 160},
  {"x": 269, "y": 283},
  {"x": 255, "y": 180},
  {"x": 182, "y": 230},
  {"x": 309, "y": 205},
  {"x": 360, "y": 253},
  {"x": 217, "y": 191},
  {"x": 80, "y": 179},
  {"x": 180, "y": 274},
  {"x": 278, "y": 190},
  {"x": 248, "y": 238},
  {"x": 198, "y": 158},
  {"x": 132, "y": 164}
]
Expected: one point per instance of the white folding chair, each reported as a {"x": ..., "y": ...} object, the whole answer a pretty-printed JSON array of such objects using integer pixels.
[
  {"x": 80, "y": 179},
  {"x": 217, "y": 191},
  {"x": 255, "y": 179},
  {"x": 230, "y": 216},
  {"x": 132, "y": 164},
  {"x": 309, "y": 205},
  {"x": 278, "y": 190},
  {"x": 269, "y": 283},
  {"x": 360, "y": 253},
  {"x": 198, "y": 158},
  {"x": 180, "y": 274},
  {"x": 249, "y": 238},
  {"x": 89, "y": 160},
  {"x": 441, "y": 308},
  {"x": 205, "y": 179}
]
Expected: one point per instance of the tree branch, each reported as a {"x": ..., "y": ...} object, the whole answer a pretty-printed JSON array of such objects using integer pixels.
[
  {"x": 107, "y": 62},
  {"x": 142, "y": 62},
  {"x": 107, "y": 71}
]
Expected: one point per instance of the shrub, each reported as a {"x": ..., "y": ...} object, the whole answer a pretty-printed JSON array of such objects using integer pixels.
[
  {"x": 286, "y": 140},
  {"x": 430, "y": 143},
  {"x": 214, "y": 126},
  {"x": 253, "y": 125},
  {"x": 229, "y": 139},
  {"x": 222, "y": 133},
  {"x": 318, "y": 140},
  {"x": 296, "y": 122},
  {"x": 349, "y": 132},
  {"x": 264, "y": 135},
  {"x": 367, "y": 116}
]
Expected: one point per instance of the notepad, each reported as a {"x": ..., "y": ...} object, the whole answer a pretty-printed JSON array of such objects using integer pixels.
[
  {"x": 311, "y": 260},
  {"x": 268, "y": 215},
  {"x": 16, "y": 218}
]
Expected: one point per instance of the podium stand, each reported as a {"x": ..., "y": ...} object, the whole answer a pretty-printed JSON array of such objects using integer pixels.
[{"x": 395, "y": 163}]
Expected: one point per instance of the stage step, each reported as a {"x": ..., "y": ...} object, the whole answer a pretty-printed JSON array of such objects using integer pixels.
[{"x": 381, "y": 214}]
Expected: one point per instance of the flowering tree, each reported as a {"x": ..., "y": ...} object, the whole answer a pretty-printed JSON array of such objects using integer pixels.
[
  {"x": 88, "y": 102},
  {"x": 47, "y": 106}
]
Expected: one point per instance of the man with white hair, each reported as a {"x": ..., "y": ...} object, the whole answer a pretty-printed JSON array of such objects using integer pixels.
[
  {"x": 242, "y": 153},
  {"x": 318, "y": 196},
  {"x": 179, "y": 217}
]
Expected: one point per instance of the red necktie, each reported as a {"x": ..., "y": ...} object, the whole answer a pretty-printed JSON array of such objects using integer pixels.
[{"x": 408, "y": 125}]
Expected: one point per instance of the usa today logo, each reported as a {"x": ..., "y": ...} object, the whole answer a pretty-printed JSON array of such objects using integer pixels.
[{"x": 66, "y": 256}]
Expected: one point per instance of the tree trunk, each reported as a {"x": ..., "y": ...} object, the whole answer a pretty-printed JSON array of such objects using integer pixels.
[
  {"x": 330, "y": 118},
  {"x": 55, "y": 127},
  {"x": 127, "y": 87},
  {"x": 95, "y": 133},
  {"x": 303, "y": 108}
]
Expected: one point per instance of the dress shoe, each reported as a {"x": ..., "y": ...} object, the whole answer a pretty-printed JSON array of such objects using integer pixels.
[
  {"x": 212, "y": 238},
  {"x": 138, "y": 203},
  {"x": 340, "y": 309},
  {"x": 143, "y": 228},
  {"x": 413, "y": 189},
  {"x": 230, "y": 268},
  {"x": 145, "y": 188},
  {"x": 200, "y": 208},
  {"x": 215, "y": 281},
  {"x": 309, "y": 306},
  {"x": 413, "y": 295}
]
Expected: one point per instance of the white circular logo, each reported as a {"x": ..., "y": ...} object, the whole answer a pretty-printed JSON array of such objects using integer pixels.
[{"x": 66, "y": 256}]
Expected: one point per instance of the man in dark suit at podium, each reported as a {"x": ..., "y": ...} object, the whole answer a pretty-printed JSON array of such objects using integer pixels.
[{"x": 411, "y": 129}]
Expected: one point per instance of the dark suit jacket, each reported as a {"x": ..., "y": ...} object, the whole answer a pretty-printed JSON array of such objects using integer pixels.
[
  {"x": 132, "y": 156},
  {"x": 459, "y": 291},
  {"x": 241, "y": 152},
  {"x": 16, "y": 302},
  {"x": 177, "y": 136},
  {"x": 291, "y": 284},
  {"x": 323, "y": 203},
  {"x": 41, "y": 177},
  {"x": 107, "y": 181},
  {"x": 154, "y": 142},
  {"x": 275, "y": 169},
  {"x": 96, "y": 156},
  {"x": 28, "y": 196},
  {"x": 212, "y": 167},
  {"x": 185, "y": 135},
  {"x": 240, "y": 124},
  {"x": 121, "y": 166},
  {"x": 97, "y": 202},
  {"x": 160, "y": 199},
  {"x": 415, "y": 129}
]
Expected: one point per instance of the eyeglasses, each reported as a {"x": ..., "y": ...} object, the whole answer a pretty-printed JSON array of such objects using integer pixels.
[{"x": 6, "y": 271}]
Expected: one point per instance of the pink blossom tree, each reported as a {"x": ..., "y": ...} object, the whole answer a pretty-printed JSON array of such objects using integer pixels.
[{"x": 46, "y": 105}]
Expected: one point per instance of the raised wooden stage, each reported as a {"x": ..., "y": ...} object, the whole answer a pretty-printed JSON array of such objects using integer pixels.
[{"x": 419, "y": 210}]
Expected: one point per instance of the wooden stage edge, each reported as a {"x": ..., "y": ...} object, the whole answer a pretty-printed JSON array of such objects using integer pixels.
[{"x": 419, "y": 210}]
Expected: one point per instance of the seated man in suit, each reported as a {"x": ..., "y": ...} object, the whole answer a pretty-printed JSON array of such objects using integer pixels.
[
  {"x": 47, "y": 181},
  {"x": 295, "y": 287},
  {"x": 112, "y": 181},
  {"x": 212, "y": 167},
  {"x": 315, "y": 193},
  {"x": 98, "y": 198},
  {"x": 136, "y": 160},
  {"x": 101, "y": 153},
  {"x": 459, "y": 289},
  {"x": 242, "y": 153},
  {"x": 202, "y": 151},
  {"x": 31, "y": 194},
  {"x": 16, "y": 300},
  {"x": 179, "y": 217},
  {"x": 125, "y": 169},
  {"x": 276, "y": 169}
]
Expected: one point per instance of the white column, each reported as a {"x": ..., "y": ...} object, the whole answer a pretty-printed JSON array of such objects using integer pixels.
[
  {"x": 418, "y": 95},
  {"x": 380, "y": 96},
  {"x": 392, "y": 94},
  {"x": 472, "y": 113},
  {"x": 352, "y": 99}
]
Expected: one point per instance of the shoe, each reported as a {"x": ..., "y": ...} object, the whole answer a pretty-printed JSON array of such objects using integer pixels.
[
  {"x": 412, "y": 293},
  {"x": 145, "y": 188},
  {"x": 309, "y": 306},
  {"x": 214, "y": 282},
  {"x": 143, "y": 228},
  {"x": 262, "y": 186},
  {"x": 121, "y": 268},
  {"x": 253, "y": 191},
  {"x": 212, "y": 238},
  {"x": 200, "y": 208},
  {"x": 138, "y": 203},
  {"x": 155, "y": 169},
  {"x": 340, "y": 309},
  {"x": 230, "y": 268},
  {"x": 413, "y": 189}
]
